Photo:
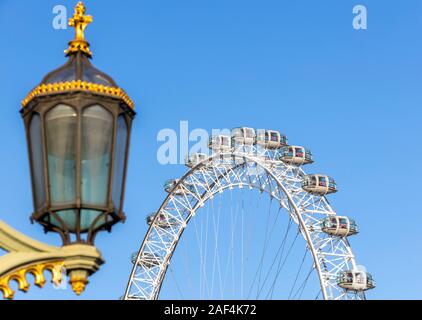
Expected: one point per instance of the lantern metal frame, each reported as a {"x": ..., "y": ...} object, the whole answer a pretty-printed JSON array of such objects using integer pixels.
[{"x": 78, "y": 101}]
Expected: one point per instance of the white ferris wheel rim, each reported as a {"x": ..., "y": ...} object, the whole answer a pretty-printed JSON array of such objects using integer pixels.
[{"x": 147, "y": 284}]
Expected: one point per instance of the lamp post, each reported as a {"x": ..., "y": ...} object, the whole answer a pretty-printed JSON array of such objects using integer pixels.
[{"x": 78, "y": 124}]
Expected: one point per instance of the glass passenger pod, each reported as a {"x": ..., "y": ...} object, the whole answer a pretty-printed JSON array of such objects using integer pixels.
[
  {"x": 170, "y": 184},
  {"x": 150, "y": 260},
  {"x": 319, "y": 184},
  {"x": 271, "y": 139},
  {"x": 220, "y": 143},
  {"x": 296, "y": 155},
  {"x": 355, "y": 280},
  {"x": 339, "y": 226},
  {"x": 162, "y": 221},
  {"x": 243, "y": 136},
  {"x": 133, "y": 257},
  {"x": 194, "y": 159}
]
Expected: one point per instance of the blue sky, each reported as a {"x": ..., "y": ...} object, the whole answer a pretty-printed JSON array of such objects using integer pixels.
[{"x": 353, "y": 97}]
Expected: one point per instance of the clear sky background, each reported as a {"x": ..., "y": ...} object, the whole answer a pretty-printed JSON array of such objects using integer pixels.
[{"x": 353, "y": 97}]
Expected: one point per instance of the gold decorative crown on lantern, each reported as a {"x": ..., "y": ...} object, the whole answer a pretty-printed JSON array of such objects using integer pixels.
[{"x": 79, "y": 21}]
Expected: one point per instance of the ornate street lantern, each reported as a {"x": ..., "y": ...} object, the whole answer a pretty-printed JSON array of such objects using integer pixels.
[{"x": 78, "y": 124}]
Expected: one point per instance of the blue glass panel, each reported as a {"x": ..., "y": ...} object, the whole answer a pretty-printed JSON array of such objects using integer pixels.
[
  {"x": 61, "y": 124},
  {"x": 88, "y": 217},
  {"x": 97, "y": 133},
  {"x": 37, "y": 161},
  {"x": 68, "y": 217},
  {"x": 119, "y": 161}
]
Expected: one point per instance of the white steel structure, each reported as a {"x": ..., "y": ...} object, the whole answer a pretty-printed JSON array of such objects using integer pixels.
[{"x": 245, "y": 166}]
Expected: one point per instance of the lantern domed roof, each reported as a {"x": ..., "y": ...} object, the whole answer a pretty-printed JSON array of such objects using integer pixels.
[
  {"x": 78, "y": 67},
  {"x": 78, "y": 74}
]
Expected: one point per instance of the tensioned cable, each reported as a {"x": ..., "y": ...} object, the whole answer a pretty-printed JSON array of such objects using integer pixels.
[
  {"x": 233, "y": 252},
  {"x": 261, "y": 263},
  {"x": 298, "y": 273},
  {"x": 249, "y": 233},
  {"x": 175, "y": 281},
  {"x": 316, "y": 298},
  {"x": 186, "y": 267},
  {"x": 280, "y": 267},
  {"x": 216, "y": 260},
  {"x": 206, "y": 246},
  {"x": 231, "y": 244},
  {"x": 203, "y": 279},
  {"x": 272, "y": 230},
  {"x": 201, "y": 266},
  {"x": 242, "y": 246},
  {"x": 303, "y": 285},
  {"x": 233, "y": 219},
  {"x": 281, "y": 248}
]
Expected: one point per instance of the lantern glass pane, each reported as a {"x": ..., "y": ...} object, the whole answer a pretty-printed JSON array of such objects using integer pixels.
[
  {"x": 119, "y": 161},
  {"x": 61, "y": 126},
  {"x": 97, "y": 134},
  {"x": 88, "y": 217},
  {"x": 37, "y": 157},
  {"x": 68, "y": 217}
]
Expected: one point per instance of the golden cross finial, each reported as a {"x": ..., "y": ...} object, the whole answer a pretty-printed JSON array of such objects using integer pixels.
[{"x": 79, "y": 21}]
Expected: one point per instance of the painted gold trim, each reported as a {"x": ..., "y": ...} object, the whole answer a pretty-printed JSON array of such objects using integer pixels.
[
  {"x": 78, "y": 280},
  {"x": 20, "y": 276},
  {"x": 77, "y": 85},
  {"x": 28, "y": 256}
]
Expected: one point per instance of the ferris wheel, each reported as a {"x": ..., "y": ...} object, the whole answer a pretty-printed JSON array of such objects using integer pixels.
[{"x": 249, "y": 160}]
